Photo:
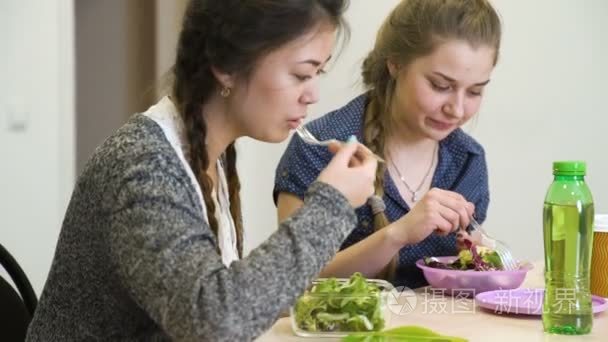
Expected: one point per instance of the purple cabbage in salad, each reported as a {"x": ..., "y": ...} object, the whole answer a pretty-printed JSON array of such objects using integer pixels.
[{"x": 474, "y": 258}]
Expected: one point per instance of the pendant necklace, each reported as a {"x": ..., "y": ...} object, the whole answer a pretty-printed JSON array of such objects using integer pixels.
[{"x": 415, "y": 193}]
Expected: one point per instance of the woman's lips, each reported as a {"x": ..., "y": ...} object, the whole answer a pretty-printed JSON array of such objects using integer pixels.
[
  {"x": 294, "y": 123},
  {"x": 439, "y": 125}
]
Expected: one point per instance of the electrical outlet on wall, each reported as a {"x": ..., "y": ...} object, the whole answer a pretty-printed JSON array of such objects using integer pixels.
[{"x": 15, "y": 117}]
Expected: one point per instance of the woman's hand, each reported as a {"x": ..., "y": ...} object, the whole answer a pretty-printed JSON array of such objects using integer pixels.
[
  {"x": 440, "y": 211},
  {"x": 352, "y": 171},
  {"x": 474, "y": 237}
]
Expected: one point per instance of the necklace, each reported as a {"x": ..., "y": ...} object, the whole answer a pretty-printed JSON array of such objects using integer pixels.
[{"x": 415, "y": 193}]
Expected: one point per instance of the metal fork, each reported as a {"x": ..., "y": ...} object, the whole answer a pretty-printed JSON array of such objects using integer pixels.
[
  {"x": 311, "y": 139},
  {"x": 503, "y": 251}
]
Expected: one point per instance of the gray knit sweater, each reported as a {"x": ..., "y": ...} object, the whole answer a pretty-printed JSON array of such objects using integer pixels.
[{"x": 136, "y": 261}]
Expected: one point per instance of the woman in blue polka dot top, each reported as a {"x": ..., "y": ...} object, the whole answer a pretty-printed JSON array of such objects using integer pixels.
[{"x": 425, "y": 77}]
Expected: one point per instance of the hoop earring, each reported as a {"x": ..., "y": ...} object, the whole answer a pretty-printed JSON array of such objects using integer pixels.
[{"x": 225, "y": 92}]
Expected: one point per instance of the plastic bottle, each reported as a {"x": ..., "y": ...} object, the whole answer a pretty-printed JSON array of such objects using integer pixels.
[{"x": 568, "y": 239}]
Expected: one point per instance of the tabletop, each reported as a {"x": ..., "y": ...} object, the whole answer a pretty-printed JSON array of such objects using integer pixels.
[{"x": 460, "y": 317}]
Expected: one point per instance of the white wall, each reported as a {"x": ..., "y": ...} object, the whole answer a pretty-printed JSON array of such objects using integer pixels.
[
  {"x": 545, "y": 102},
  {"x": 36, "y": 153}
]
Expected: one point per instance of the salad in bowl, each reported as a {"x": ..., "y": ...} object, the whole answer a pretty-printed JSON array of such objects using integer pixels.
[
  {"x": 476, "y": 257},
  {"x": 474, "y": 270}
]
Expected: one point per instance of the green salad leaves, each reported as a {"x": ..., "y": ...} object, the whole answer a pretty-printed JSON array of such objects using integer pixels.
[{"x": 332, "y": 305}]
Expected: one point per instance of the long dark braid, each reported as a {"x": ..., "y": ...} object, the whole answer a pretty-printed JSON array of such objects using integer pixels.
[
  {"x": 196, "y": 130},
  {"x": 234, "y": 186}
]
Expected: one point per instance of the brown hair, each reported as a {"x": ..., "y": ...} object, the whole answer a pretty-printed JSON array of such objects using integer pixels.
[
  {"x": 232, "y": 35},
  {"x": 412, "y": 30}
]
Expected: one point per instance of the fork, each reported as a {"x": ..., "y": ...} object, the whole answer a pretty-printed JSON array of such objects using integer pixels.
[
  {"x": 311, "y": 139},
  {"x": 503, "y": 251}
]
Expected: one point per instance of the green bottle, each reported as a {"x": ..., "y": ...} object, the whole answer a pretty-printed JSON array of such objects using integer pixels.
[{"x": 568, "y": 238}]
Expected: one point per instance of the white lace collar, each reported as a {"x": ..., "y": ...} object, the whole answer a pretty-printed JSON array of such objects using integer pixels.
[{"x": 165, "y": 114}]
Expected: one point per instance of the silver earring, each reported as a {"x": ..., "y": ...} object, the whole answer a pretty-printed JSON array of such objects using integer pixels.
[{"x": 225, "y": 92}]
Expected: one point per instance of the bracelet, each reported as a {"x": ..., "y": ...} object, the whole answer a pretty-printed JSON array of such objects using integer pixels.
[{"x": 377, "y": 204}]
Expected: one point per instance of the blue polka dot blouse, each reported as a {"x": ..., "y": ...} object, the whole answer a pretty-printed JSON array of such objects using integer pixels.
[{"x": 461, "y": 168}]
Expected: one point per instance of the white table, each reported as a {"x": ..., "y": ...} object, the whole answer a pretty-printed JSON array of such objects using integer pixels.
[{"x": 461, "y": 318}]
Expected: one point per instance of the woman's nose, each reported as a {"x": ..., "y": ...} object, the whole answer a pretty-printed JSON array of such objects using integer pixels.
[
  {"x": 455, "y": 106},
  {"x": 311, "y": 93}
]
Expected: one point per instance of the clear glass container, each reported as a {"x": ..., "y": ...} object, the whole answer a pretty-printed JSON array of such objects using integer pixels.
[{"x": 323, "y": 312}]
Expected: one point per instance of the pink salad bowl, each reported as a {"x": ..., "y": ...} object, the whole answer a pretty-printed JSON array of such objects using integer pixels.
[{"x": 469, "y": 282}]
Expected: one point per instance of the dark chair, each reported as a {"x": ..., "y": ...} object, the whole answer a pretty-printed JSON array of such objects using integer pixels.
[{"x": 16, "y": 309}]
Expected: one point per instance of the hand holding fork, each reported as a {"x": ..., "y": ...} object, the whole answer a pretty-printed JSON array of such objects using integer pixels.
[
  {"x": 308, "y": 138},
  {"x": 504, "y": 252}
]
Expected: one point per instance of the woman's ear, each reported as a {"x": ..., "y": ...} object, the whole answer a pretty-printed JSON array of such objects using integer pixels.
[
  {"x": 226, "y": 80},
  {"x": 393, "y": 68}
]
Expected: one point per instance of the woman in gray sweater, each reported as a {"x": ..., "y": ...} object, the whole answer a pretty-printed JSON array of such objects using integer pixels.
[{"x": 151, "y": 245}]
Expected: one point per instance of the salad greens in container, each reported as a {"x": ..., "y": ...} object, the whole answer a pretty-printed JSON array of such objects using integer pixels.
[{"x": 336, "y": 307}]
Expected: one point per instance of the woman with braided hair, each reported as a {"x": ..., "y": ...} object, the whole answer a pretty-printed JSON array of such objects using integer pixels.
[
  {"x": 425, "y": 78},
  {"x": 151, "y": 248}
]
